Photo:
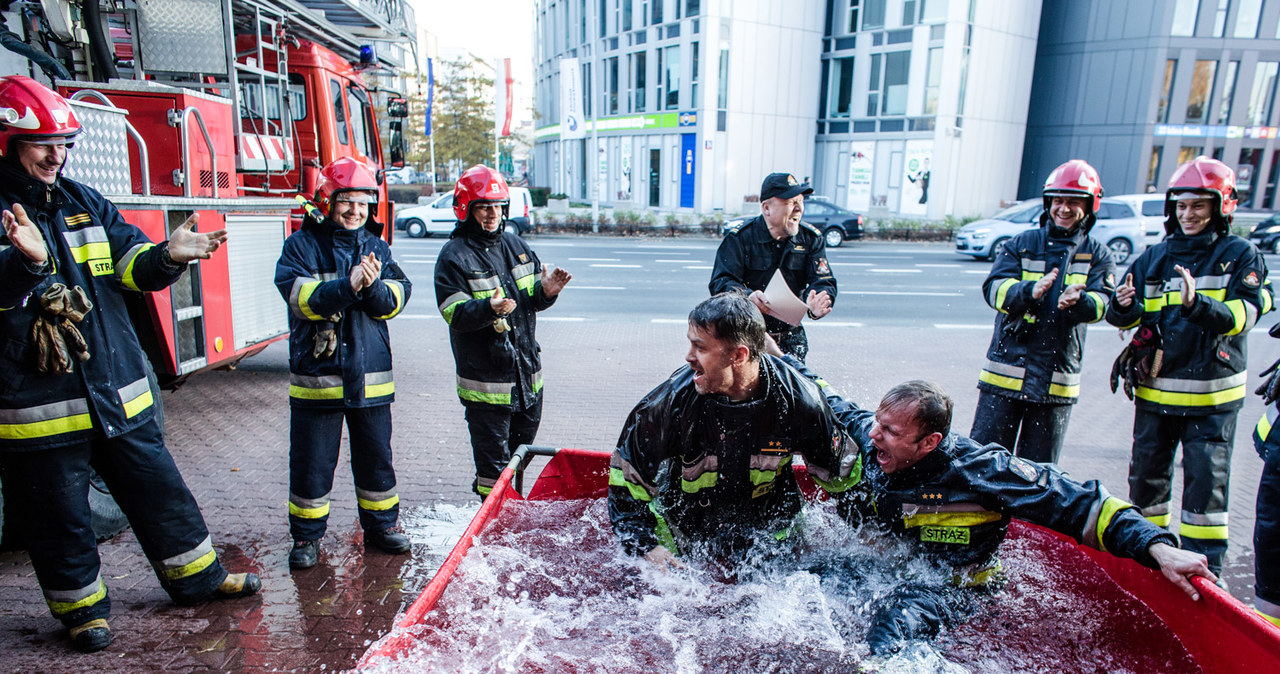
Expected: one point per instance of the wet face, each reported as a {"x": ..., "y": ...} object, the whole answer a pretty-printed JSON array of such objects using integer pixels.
[
  {"x": 898, "y": 440},
  {"x": 1194, "y": 215},
  {"x": 488, "y": 214},
  {"x": 783, "y": 215},
  {"x": 1067, "y": 212},
  {"x": 42, "y": 162},
  {"x": 712, "y": 361},
  {"x": 351, "y": 209}
]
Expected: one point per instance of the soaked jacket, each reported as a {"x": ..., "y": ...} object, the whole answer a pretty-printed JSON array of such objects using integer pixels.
[
  {"x": 696, "y": 471},
  {"x": 748, "y": 256},
  {"x": 1036, "y": 348},
  {"x": 1205, "y": 347},
  {"x": 92, "y": 247},
  {"x": 957, "y": 501},
  {"x": 314, "y": 277},
  {"x": 493, "y": 368}
]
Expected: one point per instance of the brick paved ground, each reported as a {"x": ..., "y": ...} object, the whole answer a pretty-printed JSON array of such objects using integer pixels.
[{"x": 228, "y": 432}]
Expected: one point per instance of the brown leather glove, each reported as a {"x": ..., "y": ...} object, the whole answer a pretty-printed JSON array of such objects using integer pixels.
[
  {"x": 326, "y": 341},
  {"x": 55, "y": 334}
]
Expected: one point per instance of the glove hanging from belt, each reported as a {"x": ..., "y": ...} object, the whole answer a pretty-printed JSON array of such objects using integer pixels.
[
  {"x": 55, "y": 334},
  {"x": 1139, "y": 361},
  {"x": 326, "y": 339}
]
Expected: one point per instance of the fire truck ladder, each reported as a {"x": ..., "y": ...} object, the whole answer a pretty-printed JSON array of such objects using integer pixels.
[{"x": 264, "y": 135}]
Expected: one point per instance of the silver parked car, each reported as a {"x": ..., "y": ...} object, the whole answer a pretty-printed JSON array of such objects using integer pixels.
[{"x": 1118, "y": 227}]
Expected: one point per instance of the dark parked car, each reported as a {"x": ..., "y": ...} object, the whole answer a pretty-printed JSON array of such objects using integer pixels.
[
  {"x": 1266, "y": 234},
  {"x": 836, "y": 224}
]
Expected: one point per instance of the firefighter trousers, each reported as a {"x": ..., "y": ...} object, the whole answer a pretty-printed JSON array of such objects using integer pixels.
[
  {"x": 50, "y": 488},
  {"x": 314, "y": 439},
  {"x": 917, "y": 612},
  {"x": 1038, "y": 428},
  {"x": 496, "y": 431},
  {"x": 1206, "y": 469},
  {"x": 1266, "y": 540}
]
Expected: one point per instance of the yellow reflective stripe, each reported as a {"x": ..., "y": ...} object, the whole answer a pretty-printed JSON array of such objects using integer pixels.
[
  {"x": 1160, "y": 520},
  {"x": 384, "y": 504},
  {"x": 44, "y": 429},
  {"x": 1110, "y": 507},
  {"x": 1032, "y": 275},
  {"x": 759, "y": 477},
  {"x": 304, "y": 393},
  {"x": 1191, "y": 399},
  {"x": 1239, "y": 315},
  {"x": 984, "y": 577},
  {"x": 304, "y": 295},
  {"x": 397, "y": 291},
  {"x": 482, "y": 397},
  {"x": 638, "y": 492},
  {"x": 125, "y": 275},
  {"x": 94, "y": 250},
  {"x": 1099, "y": 305},
  {"x": 665, "y": 538},
  {"x": 958, "y": 519},
  {"x": 62, "y": 607},
  {"x": 1206, "y": 532},
  {"x": 1064, "y": 391},
  {"x": 309, "y": 513},
  {"x": 1000, "y": 380},
  {"x": 188, "y": 563},
  {"x": 1075, "y": 279},
  {"x": 1274, "y": 620},
  {"x": 704, "y": 481},
  {"x": 133, "y": 407},
  {"x": 449, "y": 310},
  {"x": 379, "y": 390},
  {"x": 526, "y": 283},
  {"x": 1002, "y": 292},
  {"x": 1263, "y": 429}
]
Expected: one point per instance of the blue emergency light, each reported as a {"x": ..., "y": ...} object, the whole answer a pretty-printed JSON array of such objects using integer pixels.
[{"x": 368, "y": 55}]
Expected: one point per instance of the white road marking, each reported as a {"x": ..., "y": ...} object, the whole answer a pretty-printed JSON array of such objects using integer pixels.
[
  {"x": 938, "y": 266},
  {"x": 578, "y": 287},
  {"x": 984, "y": 272},
  {"x": 677, "y": 261},
  {"x": 670, "y": 320},
  {"x": 617, "y": 266},
  {"x": 895, "y": 292},
  {"x": 698, "y": 266},
  {"x": 835, "y": 324},
  {"x": 594, "y": 259},
  {"x": 851, "y": 264},
  {"x": 962, "y": 326},
  {"x": 896, "y": 271}
]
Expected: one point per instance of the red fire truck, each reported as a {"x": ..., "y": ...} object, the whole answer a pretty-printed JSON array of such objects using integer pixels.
[{"x": 226, "y": 108}]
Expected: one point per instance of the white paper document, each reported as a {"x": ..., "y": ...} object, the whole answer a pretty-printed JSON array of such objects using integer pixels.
[{"x": 783, "y": 303}]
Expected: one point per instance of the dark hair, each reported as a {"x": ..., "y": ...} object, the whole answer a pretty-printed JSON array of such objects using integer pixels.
[
  {"x": 933, "y": 405},
  {"x": 732, "y": 318}
]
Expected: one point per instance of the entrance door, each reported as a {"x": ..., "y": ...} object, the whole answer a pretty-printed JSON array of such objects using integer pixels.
[{"x": 655, "y": 177}]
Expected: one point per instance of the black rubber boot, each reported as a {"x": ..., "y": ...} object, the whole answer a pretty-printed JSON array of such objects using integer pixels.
[
  {"x": 237, "y": 585},
  {"x": 304, "y": 554},
  {"x": 387, "y": 540},
  {"x": 92, "y": 636}
]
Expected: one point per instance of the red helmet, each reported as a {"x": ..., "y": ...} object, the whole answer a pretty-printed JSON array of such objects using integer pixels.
[
  {"x": 1075, "y": 178},
  {"x": 32, "y": 112},
  {"x": 1202, "y": 176},
  {"x": 344, "y": 175},
  {"x": 480, "y": 184}
]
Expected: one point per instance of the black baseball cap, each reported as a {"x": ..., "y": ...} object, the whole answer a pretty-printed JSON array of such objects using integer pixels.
[{"x": 783, "y": 186}]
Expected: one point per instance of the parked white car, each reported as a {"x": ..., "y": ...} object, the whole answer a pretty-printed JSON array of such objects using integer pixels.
[
  {"x": 1118, "y": 227},
  {"x": 437, "y": 217},
  {"x": 1150, "y": 209}
]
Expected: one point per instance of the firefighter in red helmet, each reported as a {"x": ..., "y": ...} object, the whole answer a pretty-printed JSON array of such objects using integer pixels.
[
  {"x": 489, "y": 287},
  {"x": 77, "y": 390},
  {"x": 342, "y": 286},
  {"x": 1193, "y": 299},
  {"x": 1046, "y": 285}
]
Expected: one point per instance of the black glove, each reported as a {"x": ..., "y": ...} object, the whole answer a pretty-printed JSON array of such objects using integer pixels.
[
  {"x": 1139, "y": 361},
  {"x": 1270, "y": 389}
]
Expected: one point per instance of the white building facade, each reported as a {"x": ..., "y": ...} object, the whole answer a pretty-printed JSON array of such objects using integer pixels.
[{"x": 688, "y": 104}]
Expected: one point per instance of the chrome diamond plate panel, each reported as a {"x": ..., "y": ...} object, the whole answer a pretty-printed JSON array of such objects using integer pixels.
[
  {"x": 182, "y": 36},
  {"x": 100, "y": 158}
]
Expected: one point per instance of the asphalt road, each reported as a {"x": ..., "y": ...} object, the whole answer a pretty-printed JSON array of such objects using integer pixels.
[{"x": 904, "y": 311}]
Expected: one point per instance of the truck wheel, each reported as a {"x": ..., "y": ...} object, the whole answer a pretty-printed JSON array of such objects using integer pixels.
[
  {"x": 415, "y": 228},
  {"x": 105, "y": 516}
]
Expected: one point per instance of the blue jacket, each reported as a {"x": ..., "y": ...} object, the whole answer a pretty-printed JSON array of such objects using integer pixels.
[
  {"x": 90, "y": 246},
  {"x": 314, "y": 276}
]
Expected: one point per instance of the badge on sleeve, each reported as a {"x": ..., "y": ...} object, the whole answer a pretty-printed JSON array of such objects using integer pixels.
[
  {"x": 1024, "y": 468},
  {"x": 823, "y": 267},
  {"x": 1252, "y": 280}
]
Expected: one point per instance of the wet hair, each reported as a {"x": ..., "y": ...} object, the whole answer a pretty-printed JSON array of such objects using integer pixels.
[
  {"x": 731, "y": 317},
  {"x": 933, "y": 405}
]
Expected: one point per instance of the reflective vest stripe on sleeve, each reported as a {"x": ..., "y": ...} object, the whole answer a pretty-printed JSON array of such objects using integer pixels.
[
  {"x": 397, "y": 291},
  {"x": 124, "y": 266}
]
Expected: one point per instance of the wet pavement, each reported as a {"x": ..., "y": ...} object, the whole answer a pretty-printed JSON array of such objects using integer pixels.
[{"x": 228, "y": 432}]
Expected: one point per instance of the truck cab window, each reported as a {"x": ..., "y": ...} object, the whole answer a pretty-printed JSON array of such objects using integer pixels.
[
  {"x": 339, "y": 112},
  {"x": 358, "y": 105}
]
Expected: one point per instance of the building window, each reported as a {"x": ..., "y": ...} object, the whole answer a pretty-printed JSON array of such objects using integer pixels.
[
  {"x": 611, "y": 85},
  {"x": 1153, "y": 168},
  {"x": 693, "y": 75},
  {"x": 933, "y": 11},
  {"x": 692, "y": 7},
  {"x": 657, "y": 12},
  {"x": 1187, "y": 153},
  {"x": 1184, "y": 17},
  {"x": 873, "y": 91},
  {"x": 896, "y": 69},
  {"x": 853, "y": 16},
  {"x": 582, "y": 20},
  {"x": 604, "y": 17},
  {"x": 671, "y": 78},
  {"x": 1247, "y": 14},
  {"x": 626, "y": 15},
  {"x": 722, "y": 87},
  {"x": 1228, "y": 92},
  {"x": 1220, "y": 18},
  {"x": 908, "y": 12},
  {"x": 872, "y": 14},
  {"x": 587, "y": 85},
  {"x": 841, "y": 87},
  {"x": 1162, "y": 114},
  {"x": 964, "y": 81},
  {"x": 638, "y": 80},
  {"x": 933, "y": 81},
  {"x": 1201, "y": 89},
  {"x": 1263, "y": 93}
]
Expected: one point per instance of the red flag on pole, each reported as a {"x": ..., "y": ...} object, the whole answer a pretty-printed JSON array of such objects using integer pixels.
[{"x": 503, "y": 98}]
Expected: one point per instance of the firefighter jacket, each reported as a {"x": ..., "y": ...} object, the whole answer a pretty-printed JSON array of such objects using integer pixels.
[
  {"x": 957, "y": 501},
  {"x": 698, "y": 472},
  {"x": 1205, "y": 346},
  {"x": 1036, "y": 348},
  {"x": 749, "y": 255},
  {"x": 91, "y": 247},
  {"x": 339, "y": 347},
  {"x": 493, "y": 367}
]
